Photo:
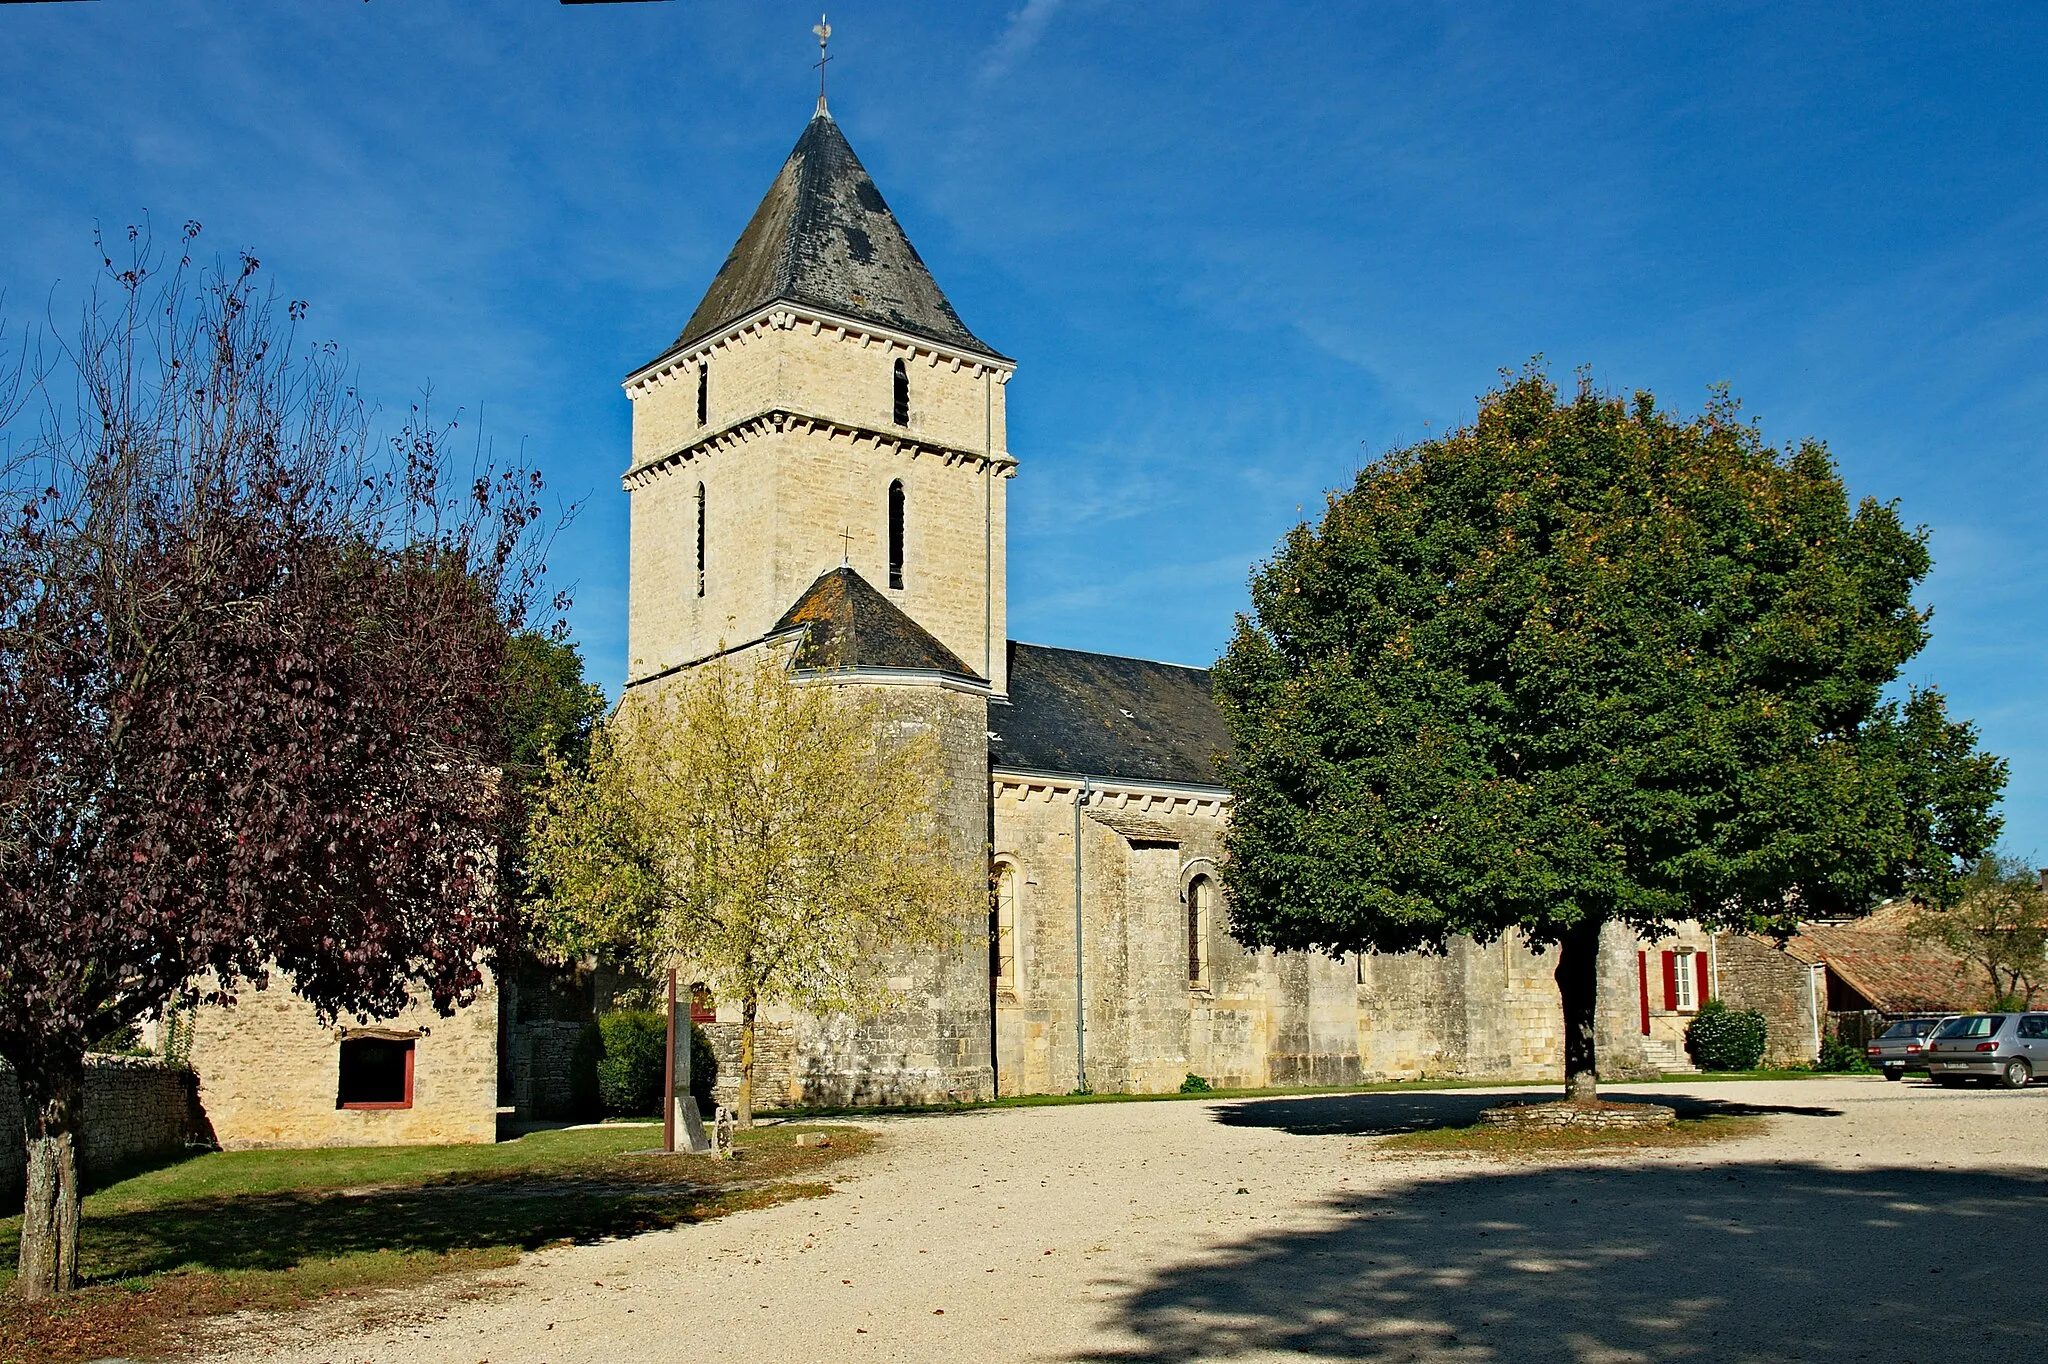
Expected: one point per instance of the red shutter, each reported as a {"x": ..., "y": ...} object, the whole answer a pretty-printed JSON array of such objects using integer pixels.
[
  {"x": 1700, "y": 996},
  {"x": 1670, "y": 981},
  {"x": 1643, "y": 987}
]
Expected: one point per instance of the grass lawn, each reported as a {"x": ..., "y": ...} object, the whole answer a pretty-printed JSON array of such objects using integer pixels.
[
  {"x": 1482, "y": 1139},
  {"x": 276, "y": 1229}
]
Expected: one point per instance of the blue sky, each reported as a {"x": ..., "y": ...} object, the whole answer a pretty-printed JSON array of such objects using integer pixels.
[{"x": 1235, "y": 248}]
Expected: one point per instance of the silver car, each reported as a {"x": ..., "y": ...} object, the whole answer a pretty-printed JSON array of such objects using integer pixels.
[
  {"x": 1903, "y": 1046},
  {"x": 2006, "y": 1049}
]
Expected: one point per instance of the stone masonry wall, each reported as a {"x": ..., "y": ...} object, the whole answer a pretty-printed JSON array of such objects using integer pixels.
[
  {"x": 1261, "y": 1018},
  {"x": 269, "y": 1074},
  {"x": 1754, "y": 974},
  {"x": 776, "y": 1080},
  {"x": 542, "y": 1069},
  {"x": 933, "y": 1044},
  {"x": 136, "y": 1108}
]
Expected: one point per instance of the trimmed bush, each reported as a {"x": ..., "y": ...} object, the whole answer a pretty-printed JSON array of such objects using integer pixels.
[
  {"x": 630, "y": 1064},
  {"x": 1194, "y": 1084},
  {"x": 1721, "y": 1038},
  {"x": 619, "y": 1068}
]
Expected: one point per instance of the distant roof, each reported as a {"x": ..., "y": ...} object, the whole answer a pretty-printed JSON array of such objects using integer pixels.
[
  {"x": 848, "y": 624},
  {"x": 1895, "y": 971},
  {"x": 824, "y": 237},
  {"x": 1105, "y": 716}
]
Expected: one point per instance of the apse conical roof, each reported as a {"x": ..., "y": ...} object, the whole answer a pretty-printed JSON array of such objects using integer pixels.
[
  {"x": 824, "y": 237},
  {"x": 848, "y": 624}
]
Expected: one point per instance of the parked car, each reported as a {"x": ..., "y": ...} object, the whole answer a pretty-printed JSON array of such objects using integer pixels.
[
  {"x": 2006, "y": 1049},
  {"x": 1902, "y": 1046}
]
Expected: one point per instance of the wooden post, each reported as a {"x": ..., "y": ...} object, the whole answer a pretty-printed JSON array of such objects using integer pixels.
[{"x": 668, "y": 1087}]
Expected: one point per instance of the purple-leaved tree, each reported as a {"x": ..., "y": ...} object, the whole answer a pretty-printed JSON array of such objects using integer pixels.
[{"x": 251, "y": 681}]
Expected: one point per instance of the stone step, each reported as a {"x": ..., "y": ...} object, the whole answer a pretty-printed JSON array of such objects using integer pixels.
[{"x": 1666, "y": 1057}]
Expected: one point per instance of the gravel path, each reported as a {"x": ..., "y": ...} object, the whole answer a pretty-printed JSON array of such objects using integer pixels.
[{"x": 1876, "y": 1221}]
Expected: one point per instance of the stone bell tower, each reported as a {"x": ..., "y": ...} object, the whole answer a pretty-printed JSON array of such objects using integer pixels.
[
  {"x": 819, "y": 459},
  {"x": 824, "y": 406}
]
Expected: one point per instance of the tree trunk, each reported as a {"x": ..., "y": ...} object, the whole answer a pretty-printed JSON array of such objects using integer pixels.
[
  {"x": 748, "y": 1008},
  {"x": 1578, "y": 987},
  {"x": 51, "y": 1104}
]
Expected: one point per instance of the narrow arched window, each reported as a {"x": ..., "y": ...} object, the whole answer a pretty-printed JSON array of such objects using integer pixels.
[
  {"x": 703, "y": 392},
  {"x": 700, "y": 539},
  {"x": 902, "y": 405},
  {"x": 1002, "y": 929},
  {"x": 1201, "y": 894},
  {"x": 896, "y": 534}
]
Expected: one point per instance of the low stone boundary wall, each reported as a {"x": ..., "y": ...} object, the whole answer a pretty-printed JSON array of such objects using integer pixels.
[
  {"x": 135, "y": 1107},
  {"x": 774, "y": 1063}
]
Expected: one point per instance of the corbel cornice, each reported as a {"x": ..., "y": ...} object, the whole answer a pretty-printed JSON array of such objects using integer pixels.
[
  {"x": 786, "y": 316},
  {"x": 778, "y": 420}
]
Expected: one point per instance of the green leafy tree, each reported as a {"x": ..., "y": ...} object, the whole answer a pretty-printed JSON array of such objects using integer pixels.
[
  {"x": 1583, "y": 663},
  {"x": 550, "y": 710},
  {"x": 1999, "y": 923},
  {"x": 778, "y": 839}
]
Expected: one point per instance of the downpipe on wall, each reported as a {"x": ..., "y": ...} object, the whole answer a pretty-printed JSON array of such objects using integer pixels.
[{"x": 1080, "y": 996}]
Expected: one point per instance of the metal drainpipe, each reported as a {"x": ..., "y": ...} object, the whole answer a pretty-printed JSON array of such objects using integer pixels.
[
  {"x": 1080, "y": 998},
  {"x": 1813, "y": 1006}
]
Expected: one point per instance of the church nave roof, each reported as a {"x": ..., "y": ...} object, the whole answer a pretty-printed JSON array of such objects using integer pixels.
[{"x": 1106, "y": 716}]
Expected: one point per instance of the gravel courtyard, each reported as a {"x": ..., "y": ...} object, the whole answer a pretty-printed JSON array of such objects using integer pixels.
[{"x": 1893, "y": 1223}]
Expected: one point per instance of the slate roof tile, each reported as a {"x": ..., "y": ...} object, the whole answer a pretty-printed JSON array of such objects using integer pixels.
[
  {"x": 848, "y": 624},
  {"x": 1105, "y": 716},
  {"x": 823, "y": 236}
]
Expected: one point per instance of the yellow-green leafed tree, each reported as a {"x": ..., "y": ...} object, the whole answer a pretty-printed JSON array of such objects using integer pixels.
[{"x": 774, "y": 838}]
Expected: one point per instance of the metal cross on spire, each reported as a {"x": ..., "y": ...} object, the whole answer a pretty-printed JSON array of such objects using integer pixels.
[
  {"x": 824, "y": 32},
  {"x": 846, "y": 554}
]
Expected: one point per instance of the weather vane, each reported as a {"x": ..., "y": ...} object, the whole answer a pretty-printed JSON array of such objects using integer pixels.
[{"x": 824, "y": 32}]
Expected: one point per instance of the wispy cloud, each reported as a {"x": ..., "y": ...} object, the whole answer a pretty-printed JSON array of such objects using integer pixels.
[{"x": 1026, "y": 25}]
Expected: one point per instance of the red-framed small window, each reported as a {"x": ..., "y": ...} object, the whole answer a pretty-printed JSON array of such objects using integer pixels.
[{"x": 376, "y": 1072}]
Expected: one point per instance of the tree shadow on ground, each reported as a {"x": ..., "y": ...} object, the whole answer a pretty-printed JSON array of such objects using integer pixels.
[
  {"x": 278, "y": 1231},
  {"x": 1381, "y": 1115},
  {"x": 1667, "y": 1261}
]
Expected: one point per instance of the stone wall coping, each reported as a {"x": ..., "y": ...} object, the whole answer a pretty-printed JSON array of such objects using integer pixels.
[{"x": 108, "y": 1060}]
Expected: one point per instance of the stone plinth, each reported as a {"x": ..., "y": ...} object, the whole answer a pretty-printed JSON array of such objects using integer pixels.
[{"x": 1598, "y": 1117}]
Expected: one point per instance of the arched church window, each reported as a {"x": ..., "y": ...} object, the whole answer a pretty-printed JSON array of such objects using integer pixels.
[
  {"x": 902, "y": 405},
  {"x": 703, "y": 392},
  {"x": 1002, "y": 931},
  {"x": 896, "y": 534},
  {"x": 1201, "y": 899},
  {"x": 700, "y": 539}
]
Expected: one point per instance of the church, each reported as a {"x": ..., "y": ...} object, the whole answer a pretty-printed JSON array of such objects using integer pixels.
[{"x": 820, "y": 462}]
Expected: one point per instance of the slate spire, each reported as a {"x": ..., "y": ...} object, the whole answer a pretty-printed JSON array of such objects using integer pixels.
[{"x": 823, "y": 237}]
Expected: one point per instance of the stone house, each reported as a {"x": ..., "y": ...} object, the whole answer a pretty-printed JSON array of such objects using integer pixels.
[
  {"x": 271, "y": 1074},
  {"x": 820, "y": 463}
]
